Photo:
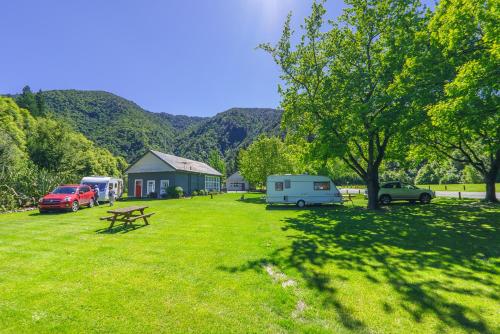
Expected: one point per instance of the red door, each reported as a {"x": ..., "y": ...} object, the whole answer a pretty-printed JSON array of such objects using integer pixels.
[{"x": 138, "y": 188}]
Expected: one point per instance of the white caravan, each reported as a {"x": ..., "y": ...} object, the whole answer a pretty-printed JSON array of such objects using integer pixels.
[
  {"x": 104, "y": 183},
  {"x": 301, "y": 190}
]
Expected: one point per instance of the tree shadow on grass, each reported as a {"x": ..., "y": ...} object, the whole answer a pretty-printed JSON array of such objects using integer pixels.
[
  {"x": 423, "y": 252},
  {"x": 252, "y": 200},
  {"x": 50, "y": 213},
  {"x": 120, "y": 229}
]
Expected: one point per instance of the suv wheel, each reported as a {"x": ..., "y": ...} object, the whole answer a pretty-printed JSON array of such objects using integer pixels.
[
  {"x": 91, "y": 203},
  {"x": 425, "y": 198},
  {"x": 301, "y": 204},
  {"x": 385, "y": 199},
  {"x": 75, "y": 206}
]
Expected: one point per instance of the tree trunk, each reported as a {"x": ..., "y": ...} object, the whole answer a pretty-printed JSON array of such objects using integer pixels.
[
  {"x": 490, "y": 179},
  {"x": 373, "y": 187}
]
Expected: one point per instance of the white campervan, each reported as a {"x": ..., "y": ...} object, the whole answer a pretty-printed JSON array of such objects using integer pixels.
[
  {"x": 104, "y": 183},
  {"x": 301, "y": 190}
]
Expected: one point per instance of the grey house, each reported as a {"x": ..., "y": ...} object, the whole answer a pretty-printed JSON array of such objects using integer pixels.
[
  {"x": 236, "y": 182},
  {"x": 155, "y": 171}
]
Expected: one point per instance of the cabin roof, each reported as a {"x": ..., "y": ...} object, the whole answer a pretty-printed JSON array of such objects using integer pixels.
[{"x": 183, "y": 164}]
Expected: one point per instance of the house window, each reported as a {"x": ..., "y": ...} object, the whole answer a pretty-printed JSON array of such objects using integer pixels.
[
  {"x": 212, "y": 183},
  {"x": 164, "y": 184},
  {"x": 321, "y": 185},
  {"x": 151, "y": 186},
  {"x": 288, "y": 184},
  {"x": 278, "y": 186}
]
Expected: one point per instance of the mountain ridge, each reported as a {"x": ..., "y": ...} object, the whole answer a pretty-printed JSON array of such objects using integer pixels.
[{"x": 128, "y": 130}]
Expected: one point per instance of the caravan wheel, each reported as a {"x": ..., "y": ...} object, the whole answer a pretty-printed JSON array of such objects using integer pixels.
[{"x": 301, "y": 204}]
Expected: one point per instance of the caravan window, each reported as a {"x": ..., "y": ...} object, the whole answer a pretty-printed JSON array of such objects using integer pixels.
[
  {"x": 278, "y": 186},
  {"x": 102, "y": 186},
  {"x": 321, "y": 185},
  {"x": 288, "y": 184}
]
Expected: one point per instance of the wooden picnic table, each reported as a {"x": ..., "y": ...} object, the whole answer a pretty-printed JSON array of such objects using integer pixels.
[{"x": 127, "y": 216}]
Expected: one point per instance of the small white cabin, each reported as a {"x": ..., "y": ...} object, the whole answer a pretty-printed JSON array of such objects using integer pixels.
[
  {"x": 104, "y": 183},
  {"x": 236, "y": 182},
  {"x": 301, "y": 190}
]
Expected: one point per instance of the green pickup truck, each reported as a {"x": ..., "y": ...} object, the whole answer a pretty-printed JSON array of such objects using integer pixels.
[{"x": 398, "y": 191}]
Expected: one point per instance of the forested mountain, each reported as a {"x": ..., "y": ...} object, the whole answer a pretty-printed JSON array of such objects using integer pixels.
[
  {"x": 128, "y": 130},
  {"x": 227, "y": 132},
  {"x": 112, "y": 122}
]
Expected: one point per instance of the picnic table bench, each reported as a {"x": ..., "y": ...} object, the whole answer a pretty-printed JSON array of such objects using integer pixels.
[
  {"x": 127, "y": 216},
  {"x": 347, "y": 198}
]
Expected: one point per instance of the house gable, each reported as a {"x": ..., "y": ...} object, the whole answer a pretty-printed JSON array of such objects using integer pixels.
[{"x": 149, "y": 163}]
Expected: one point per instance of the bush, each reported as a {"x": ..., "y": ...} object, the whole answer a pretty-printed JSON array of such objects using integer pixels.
[
  {"x": 8, "y": 200},
  {"x": 179, "y": 192},
  {"x": 153, "y": 195},
  {"x": 471, "y": 175},
  {"x": 194, "y": 193},
  {"x": 427, "y": 175},
  {"x": 450, "y": 178},
  {"x": 175, "y": 192}
]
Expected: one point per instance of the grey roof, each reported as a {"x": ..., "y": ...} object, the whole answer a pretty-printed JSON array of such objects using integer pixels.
[{"x": 183, "y": 164}]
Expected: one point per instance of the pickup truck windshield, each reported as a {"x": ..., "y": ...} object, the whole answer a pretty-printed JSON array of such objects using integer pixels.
[{"x": 65, "y": 190}]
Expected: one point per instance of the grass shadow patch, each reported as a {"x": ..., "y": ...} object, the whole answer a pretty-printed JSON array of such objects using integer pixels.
[
  {"x": 402, "y": 246},
  {"x": 122, "y": 228}
]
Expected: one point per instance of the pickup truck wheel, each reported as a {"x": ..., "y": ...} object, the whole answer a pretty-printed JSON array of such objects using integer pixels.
[
  {"x": 75, "y": 206},
  {"x": 91, "y": 203},
  {"x": 301, "y": 204},
  {"x": 385, "y": 199},
  {"x": 425, "y": 198}
]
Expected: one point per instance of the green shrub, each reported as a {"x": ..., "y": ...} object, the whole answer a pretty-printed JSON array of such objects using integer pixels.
[
  {"x": 8, "y": 200},
  {"x": 179, "y": 192},
  {"x": 194, "y": 193},
  {"x": 471, "y": 175}
]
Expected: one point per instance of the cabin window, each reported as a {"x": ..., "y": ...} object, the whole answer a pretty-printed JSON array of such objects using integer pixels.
[
  {"x": 164, "y": 184},
  {"x": 321, "y": 185},
  {"x": 288, "y": 184},
  {"x": 151, "y": 186},
  {"x": 212, "y": 183},
  {"x": 278, "y": 186}
]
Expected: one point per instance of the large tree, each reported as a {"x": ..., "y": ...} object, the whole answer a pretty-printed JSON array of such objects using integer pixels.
[
  {"x": 345, "y": 85},
  {"x": 265, "y": 156},
  {"x": 215, "y": 160},
  {"x": 464, "y": 122}
]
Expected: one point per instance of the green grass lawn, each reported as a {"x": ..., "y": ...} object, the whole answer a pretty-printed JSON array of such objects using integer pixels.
[
  {"x": 222, "y": 265},
  {"x": 460, "y": 187},
  {"x": 480, "y": 187}
]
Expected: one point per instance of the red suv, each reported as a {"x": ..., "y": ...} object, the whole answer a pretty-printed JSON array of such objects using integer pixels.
[{"x": 67, "y": 197}]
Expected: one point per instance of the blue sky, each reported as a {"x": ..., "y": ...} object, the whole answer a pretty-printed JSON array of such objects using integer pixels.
[{"x": 191, "y": 57}]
